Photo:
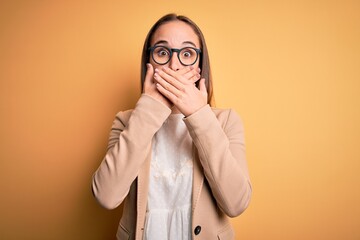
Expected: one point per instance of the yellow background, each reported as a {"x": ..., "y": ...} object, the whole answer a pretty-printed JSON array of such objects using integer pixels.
[{"x": 291, "y": 69}]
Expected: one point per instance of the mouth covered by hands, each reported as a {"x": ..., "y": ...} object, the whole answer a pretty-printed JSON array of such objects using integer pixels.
[
  {"x": 179, "y": 87},
  {"x": 176, "y": 88}
]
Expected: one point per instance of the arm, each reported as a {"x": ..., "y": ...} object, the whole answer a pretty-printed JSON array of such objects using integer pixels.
[
  {"x": 129, "y": 145},
  {"x": 219, "y": 140}
]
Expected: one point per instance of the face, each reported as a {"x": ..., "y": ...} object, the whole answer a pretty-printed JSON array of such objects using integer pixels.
[{"x": 175, "y": 34}]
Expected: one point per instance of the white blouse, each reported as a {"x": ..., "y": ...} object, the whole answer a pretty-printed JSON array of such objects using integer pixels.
[{"x": 168, "y": 213}]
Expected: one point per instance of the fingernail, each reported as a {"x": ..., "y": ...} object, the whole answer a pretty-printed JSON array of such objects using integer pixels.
[
  {"x": 148, "y": 65},
  {"x": 156, "y": 70}
]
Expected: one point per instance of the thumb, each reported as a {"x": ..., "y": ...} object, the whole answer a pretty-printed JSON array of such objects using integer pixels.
[
  {"x": 149, "y": 74},
  {"x": 202, "y": 86}
]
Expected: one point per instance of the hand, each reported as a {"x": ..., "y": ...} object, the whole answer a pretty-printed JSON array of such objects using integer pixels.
[
  {"x": 150, "y": 87},
  {"x": 190, "y": 73},
  {"x": 179, "y": 88}
]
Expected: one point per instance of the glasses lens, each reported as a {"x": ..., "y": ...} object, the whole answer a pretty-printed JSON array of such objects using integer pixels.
[
  {"x": 188, "y": 56},
  {"x": 161, "y": 55}
]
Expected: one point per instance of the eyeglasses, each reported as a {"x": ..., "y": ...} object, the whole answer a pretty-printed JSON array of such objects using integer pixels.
[{"x": 162, "y": 55}]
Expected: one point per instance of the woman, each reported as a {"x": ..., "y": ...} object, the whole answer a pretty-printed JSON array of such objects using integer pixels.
[{"x": 176, "y": 164}]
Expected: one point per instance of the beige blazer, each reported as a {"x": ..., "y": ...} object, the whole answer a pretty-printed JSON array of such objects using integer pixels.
[{"x": 221, "y": 184}]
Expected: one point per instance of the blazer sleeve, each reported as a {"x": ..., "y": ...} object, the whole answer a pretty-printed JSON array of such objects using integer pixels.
[
  {"x": 219, "y": 139},
  {"x": 129, "y": 145}
]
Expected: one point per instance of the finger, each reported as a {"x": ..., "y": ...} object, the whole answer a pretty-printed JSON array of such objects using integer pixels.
[
  {"x": 162, "y": 75},
  {"x": 170, "y": 74},
  {"x": 185, "y": 70},
  {"x": 169, "y": 95},
  {"x": 194, "y": 78},
  {"x": 167, "y": 83},
  {"x": 193, "y": 75},
  {"x": 187, "y": 75}
]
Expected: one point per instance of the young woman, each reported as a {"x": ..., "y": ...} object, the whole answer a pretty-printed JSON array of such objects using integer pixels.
[{"x": 177, "y": 164}]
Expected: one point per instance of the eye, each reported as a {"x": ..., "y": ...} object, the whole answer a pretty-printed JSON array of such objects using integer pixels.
[
  {"x": 162, "y": 52},
  {"x": 188, "y": 53}
]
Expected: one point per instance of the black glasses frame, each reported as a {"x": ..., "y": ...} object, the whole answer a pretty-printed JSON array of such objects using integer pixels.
[{"x": 171, "y": 51}]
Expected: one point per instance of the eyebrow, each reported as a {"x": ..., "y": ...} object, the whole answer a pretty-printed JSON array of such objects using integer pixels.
[
  {"x": 166, "y": 42},
  {"x": 189, "y": 42}
]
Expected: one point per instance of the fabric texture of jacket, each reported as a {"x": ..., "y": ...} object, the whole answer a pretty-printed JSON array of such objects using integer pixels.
[{"x": 221, "y": 183}]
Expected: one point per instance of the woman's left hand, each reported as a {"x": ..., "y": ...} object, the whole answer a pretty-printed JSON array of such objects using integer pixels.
[{"x": 180, "y": 90}]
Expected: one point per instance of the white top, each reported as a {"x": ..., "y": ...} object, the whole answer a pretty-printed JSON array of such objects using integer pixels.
[{"x": 168, "y": 213}]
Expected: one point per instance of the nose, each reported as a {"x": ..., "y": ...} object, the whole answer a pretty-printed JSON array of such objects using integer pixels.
[{"x": 174, "y": 62}]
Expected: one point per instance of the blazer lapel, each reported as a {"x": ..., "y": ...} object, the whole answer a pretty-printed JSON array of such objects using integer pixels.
[
  {"x": 142, "y": 193},
  {"x": 198, "y": 178}
]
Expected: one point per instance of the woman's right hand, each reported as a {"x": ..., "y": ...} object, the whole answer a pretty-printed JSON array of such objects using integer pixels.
[{"x": 150, "y": 87}]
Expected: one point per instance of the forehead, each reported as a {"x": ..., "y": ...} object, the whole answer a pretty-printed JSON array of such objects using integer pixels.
[{"x": 175, "y": 33}]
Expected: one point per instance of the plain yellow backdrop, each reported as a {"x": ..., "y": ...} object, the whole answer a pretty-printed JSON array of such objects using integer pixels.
[{"x": 291, "y": 69}]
